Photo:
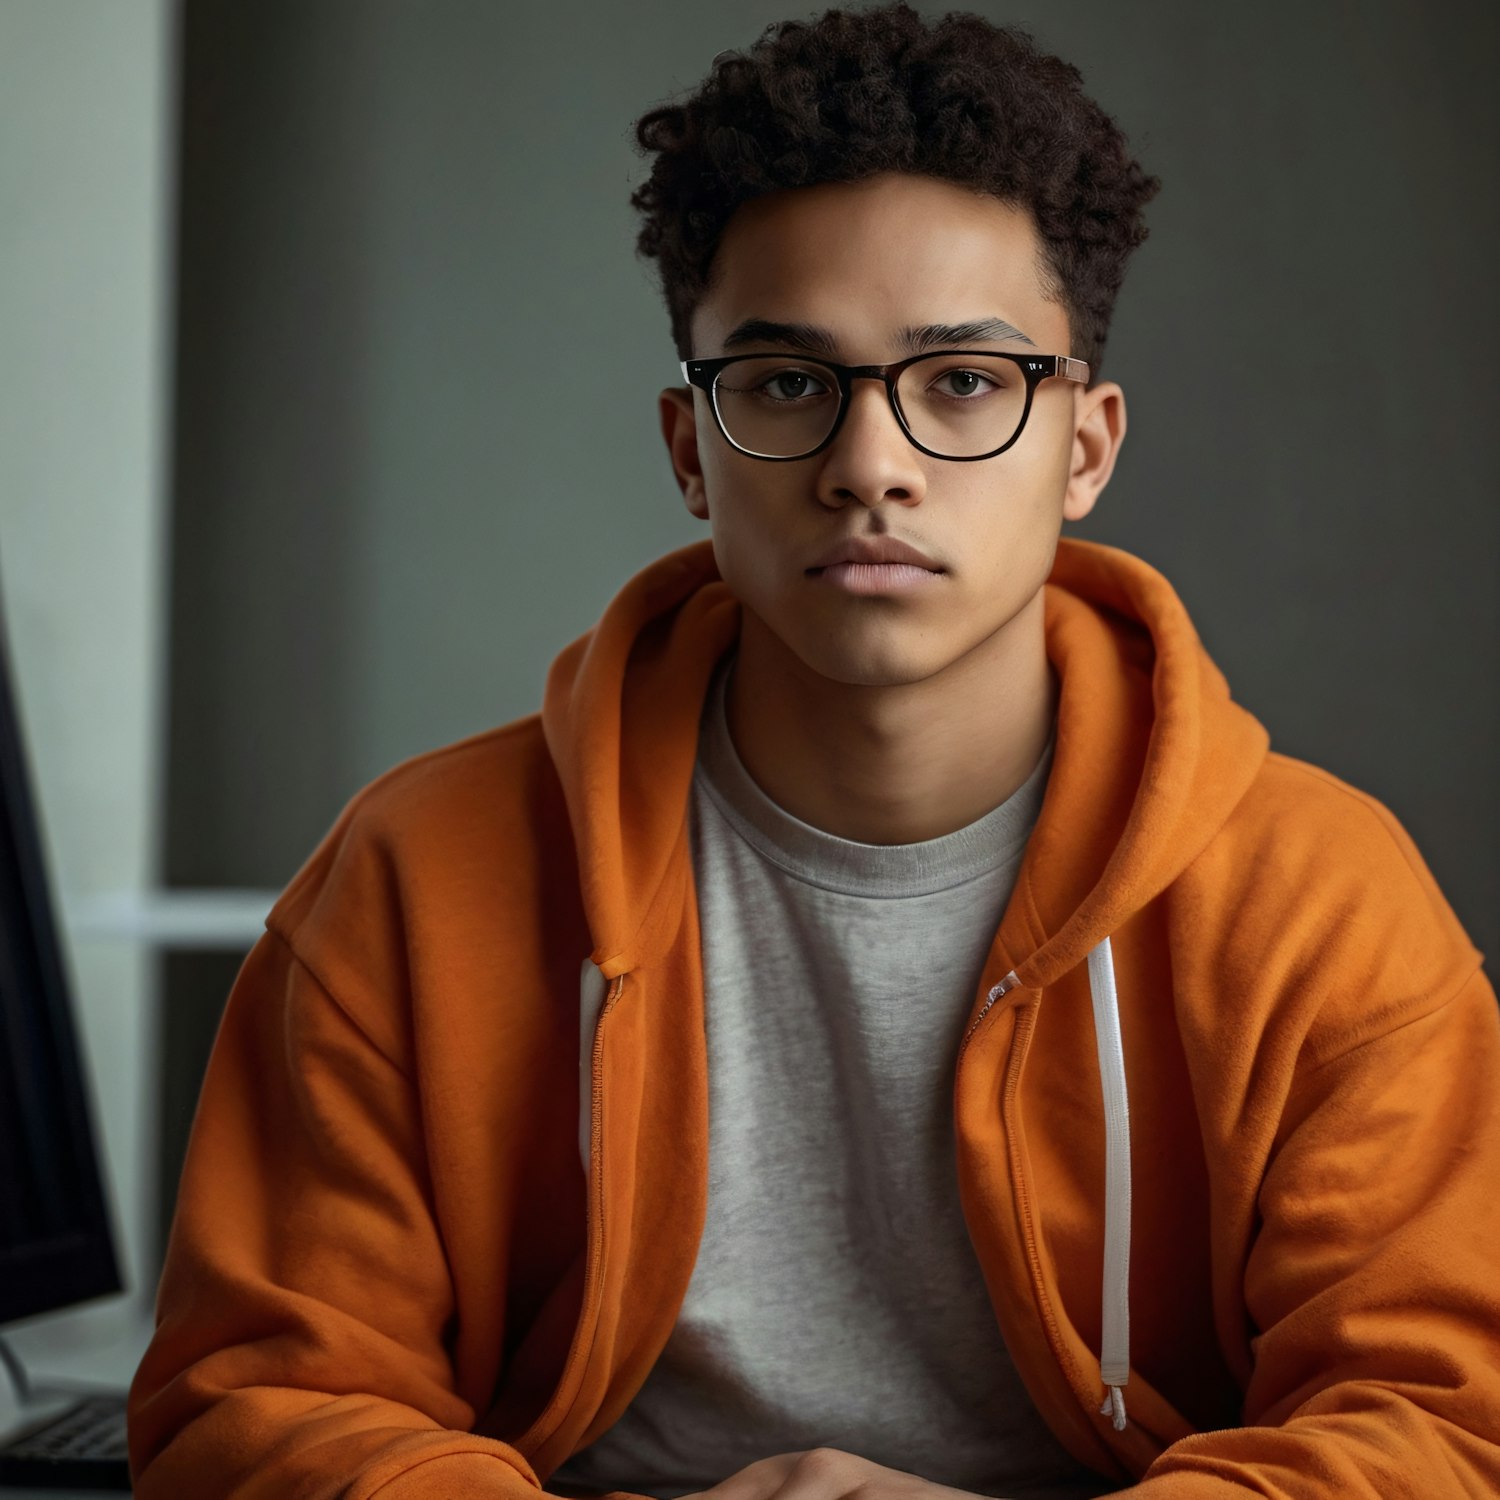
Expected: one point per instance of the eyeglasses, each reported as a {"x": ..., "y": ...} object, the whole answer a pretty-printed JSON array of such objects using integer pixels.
[{"x": 961, "y": 404}]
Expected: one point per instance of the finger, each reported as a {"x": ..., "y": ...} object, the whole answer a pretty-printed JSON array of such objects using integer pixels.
[
  {"x": 827, "y": 1474},
  {"x": 758, "y": 1481},
  {"x": 816, "y": 1474}
]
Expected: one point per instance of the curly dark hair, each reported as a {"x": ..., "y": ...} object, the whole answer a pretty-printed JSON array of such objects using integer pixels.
[{"x": 856, "y": 93}]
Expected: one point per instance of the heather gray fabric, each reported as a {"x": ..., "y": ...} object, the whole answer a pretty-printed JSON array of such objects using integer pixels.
[{"x": 836, "y": 1299}]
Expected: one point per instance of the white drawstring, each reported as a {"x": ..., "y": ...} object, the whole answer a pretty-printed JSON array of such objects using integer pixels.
[{"x": 1114, "y": 1351}]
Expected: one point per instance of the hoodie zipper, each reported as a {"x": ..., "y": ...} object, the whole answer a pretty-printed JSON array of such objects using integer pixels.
[
  {"x": 1005, "y": 986},
  {"x": 1114, "y": 1366},
  {"x": 1020, "y": 1199},
  {"x": 545, "y": 1427}
]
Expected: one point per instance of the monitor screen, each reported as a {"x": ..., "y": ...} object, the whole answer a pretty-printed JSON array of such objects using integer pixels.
[{"x": 55, "y": 1242}]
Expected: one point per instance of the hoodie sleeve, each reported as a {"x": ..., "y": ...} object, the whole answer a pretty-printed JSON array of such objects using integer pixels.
[
  {"x": 299, "y": 1349},
  {"x": 1372, "y": 1279}
]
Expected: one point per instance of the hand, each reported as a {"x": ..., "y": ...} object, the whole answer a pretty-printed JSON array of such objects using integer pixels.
[{"x": 825, "y": 1474}]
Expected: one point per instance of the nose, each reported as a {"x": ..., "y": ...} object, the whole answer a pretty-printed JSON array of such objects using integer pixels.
[{"x": 870, "y": 461}]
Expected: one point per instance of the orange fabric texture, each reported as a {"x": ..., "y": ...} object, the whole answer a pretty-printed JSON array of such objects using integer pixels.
[{"x": 389, "y": 1275}]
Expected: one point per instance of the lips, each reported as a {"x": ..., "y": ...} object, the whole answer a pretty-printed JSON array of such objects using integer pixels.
[{"x": 874, "y": 549}]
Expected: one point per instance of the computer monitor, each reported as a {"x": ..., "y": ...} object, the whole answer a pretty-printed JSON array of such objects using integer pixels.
[{"x": 56, "y": 1247}]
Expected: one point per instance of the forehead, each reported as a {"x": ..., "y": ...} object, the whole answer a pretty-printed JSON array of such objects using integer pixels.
[{"x": 868, "y": 259}]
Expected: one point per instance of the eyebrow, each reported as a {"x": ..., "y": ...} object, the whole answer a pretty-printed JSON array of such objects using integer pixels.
[{"x": 913, "y": 340}]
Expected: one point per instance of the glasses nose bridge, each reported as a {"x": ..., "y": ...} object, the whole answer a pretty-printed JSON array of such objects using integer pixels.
[{"x": 882, "y": 373}]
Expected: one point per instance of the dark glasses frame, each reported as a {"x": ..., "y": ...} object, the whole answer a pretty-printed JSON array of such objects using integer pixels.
[{"x": 704, "y": 374}]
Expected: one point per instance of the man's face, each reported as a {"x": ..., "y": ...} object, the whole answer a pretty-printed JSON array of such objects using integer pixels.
[{"x": 864, "y": 262}]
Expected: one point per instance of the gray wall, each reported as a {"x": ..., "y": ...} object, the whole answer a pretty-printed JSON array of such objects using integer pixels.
[
  {"x": 417, "y": 365},
  {"x": 86, "y": 123}
]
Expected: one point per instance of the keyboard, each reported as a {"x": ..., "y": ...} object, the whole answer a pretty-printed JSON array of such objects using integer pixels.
[{"x": 82, "y": 1447}]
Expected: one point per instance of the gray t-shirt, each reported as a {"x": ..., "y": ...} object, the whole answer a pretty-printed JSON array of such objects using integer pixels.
[{"x": 836, "y": 1300}]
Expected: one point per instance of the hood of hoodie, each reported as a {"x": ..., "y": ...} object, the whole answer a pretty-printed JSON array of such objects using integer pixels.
[{"x": 1151, "y": 756}]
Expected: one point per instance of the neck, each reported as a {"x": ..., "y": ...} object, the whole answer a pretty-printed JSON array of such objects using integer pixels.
[{"x": 894, "y": 764}]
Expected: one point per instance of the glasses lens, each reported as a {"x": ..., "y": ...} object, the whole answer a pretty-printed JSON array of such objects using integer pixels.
[
  {"x": 962, "y": 405},
  {"x": 776, "y": 406}
]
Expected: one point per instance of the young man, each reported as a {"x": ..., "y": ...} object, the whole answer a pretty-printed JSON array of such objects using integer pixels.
[{"x": 993, "y": 1069}]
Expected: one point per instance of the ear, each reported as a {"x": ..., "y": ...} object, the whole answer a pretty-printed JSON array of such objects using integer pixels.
[
  {"x": 679, "y": 426},
  {"x": 1099, "y": 429}
]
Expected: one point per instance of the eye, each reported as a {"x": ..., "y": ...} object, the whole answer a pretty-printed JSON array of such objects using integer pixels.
[
  {"x": 791, "y": 385},
  {"x": 963, "y": 383}
]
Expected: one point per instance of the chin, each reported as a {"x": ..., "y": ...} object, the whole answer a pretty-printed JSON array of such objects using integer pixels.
[
  {"x": 862, "y": 649},
  {"x": 875, "y": 664}
]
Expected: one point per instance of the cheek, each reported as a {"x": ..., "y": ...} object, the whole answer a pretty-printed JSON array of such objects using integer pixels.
[
  {"x": 1006, "y": 524},
  {"x": 1018, "y": 501},
  {"x": 728, "y": 477},
  {"x": 1054, "y": 456},
  {"x": 742, "y": 505}
]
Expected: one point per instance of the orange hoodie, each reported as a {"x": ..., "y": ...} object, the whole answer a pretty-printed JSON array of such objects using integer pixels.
[{"x": 394, "y": 1272}]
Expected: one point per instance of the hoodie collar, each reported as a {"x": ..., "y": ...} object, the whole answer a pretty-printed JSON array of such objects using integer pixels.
[
  {"x": 620, "y": 716},
  {"x": 1151, "y": 753}
]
